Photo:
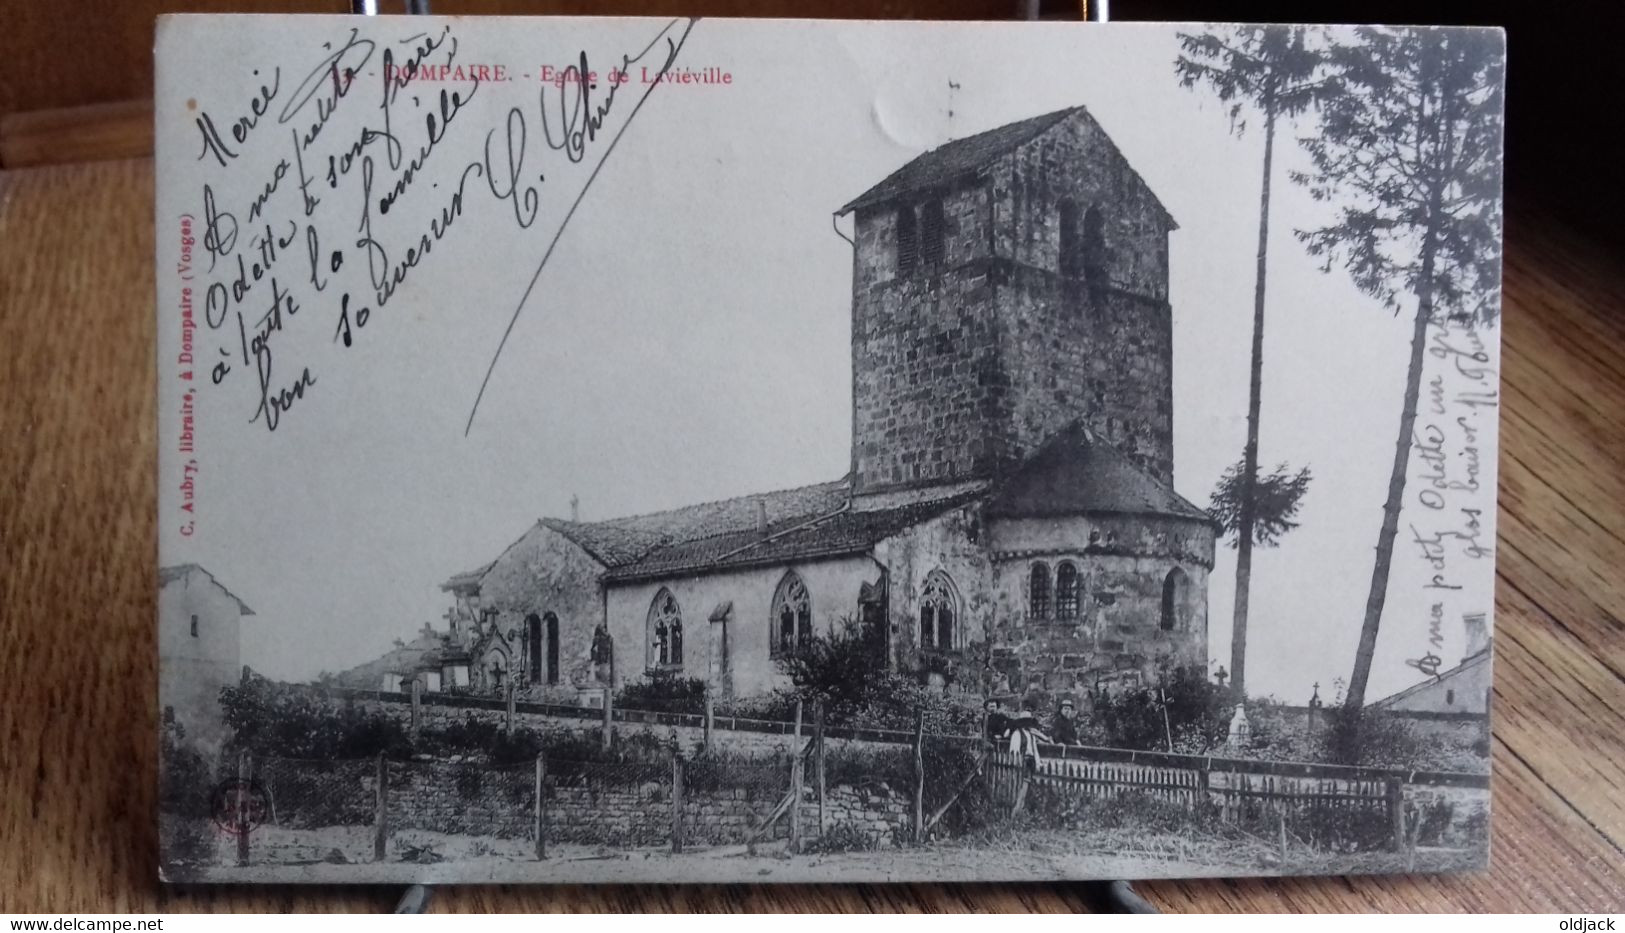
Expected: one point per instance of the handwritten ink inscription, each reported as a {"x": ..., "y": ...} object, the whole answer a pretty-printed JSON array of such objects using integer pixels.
[
  {"x": 1450, "y": 527},
  {"x": 326, "y": 188}
]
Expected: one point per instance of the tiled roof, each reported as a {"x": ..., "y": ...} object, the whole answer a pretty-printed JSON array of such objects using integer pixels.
[
  {"x": 1468, "y": 663},
  {"x": 842, "y": 532},
  {"x": 959, "y": 157},
  {"x": 618, "y": 542},
  {"x": 168, "y": 575},
  {"x": 468, "y": 577},
  {"x": 404, "y": 658},
  {"x": 1075, "y": 472}
]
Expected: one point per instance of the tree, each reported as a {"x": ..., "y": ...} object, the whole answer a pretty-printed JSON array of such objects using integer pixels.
[
  {"x": 1410, "y": 149},
  {"x": 1271, "y": 70},
  {"x": 1274, "y": 502}
]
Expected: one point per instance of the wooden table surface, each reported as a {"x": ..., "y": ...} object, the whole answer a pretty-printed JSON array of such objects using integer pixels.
[{"x": 78, "y": 729}]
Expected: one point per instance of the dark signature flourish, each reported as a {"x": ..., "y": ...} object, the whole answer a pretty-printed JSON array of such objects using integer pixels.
[{"x": 581, "y": 125}]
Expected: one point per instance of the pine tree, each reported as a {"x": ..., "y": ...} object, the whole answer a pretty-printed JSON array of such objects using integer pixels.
[
  {"x": 1410, "y": 152},
  {"x": 1270, "y": 70}
]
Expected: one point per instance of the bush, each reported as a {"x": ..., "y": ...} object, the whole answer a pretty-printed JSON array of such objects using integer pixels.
[
  {"x": 842, "y": 837},
  {"x": 184, "y": 778},
  {"x": 268, "y": 718},
  {"x": 186, "y": 834},
  {"x": 1197, "y": 713},
  {"x": 1368, "y": 737},
  {"x": 1055, "y": 808},
  {"x": 663, "y": 692}
]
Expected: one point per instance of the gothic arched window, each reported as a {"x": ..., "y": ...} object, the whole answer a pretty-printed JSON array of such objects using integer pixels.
[
  {"x": 1173, "y": 600},
  {"x": 792, "y": 615},
  {"x": 1038, "y": 592},
  {"x": 665, "y": 631},
  {"x": 939, "y": 613},
  {"x": 550, "y": 631},
  {"x": 532, "y": 653},
  {"x": 1066, "y": 590}
]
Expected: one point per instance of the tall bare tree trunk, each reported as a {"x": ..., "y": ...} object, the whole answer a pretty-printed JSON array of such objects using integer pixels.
[
  {"x": 1249, "y": 456},
  {"x": 1396, "y": 490},
  {"x": 1443, "y": 145}
]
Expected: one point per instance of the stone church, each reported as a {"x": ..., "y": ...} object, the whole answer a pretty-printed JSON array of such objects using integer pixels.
[{"x": 1009, "y": 518}]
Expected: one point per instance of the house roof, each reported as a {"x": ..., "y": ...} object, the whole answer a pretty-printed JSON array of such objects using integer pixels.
[
  {"x": 1482, "y": 656},
  {"x": 168, "y": 575},
  {"x": 618, "y": 542},
  {"x": 1075, "y": 472},
  {"x": 962, "y": 157},
  {"x": 467, "y": 578},
  {"x": 401, "y": 659},
  {"x": 954, "y": 159},
  {"x": 836, "y": 533}
]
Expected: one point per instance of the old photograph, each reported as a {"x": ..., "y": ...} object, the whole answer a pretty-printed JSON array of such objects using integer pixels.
[{"x": 631, "y": 450}]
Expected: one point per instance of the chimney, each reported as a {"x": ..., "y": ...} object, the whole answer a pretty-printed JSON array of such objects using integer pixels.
[
  {"x": 1478, "y": 636},
  {"x": 761, "y": 517}
]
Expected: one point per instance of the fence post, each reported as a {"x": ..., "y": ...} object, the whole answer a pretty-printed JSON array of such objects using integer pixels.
[
  {"x": 417, "y": 706},
  {"x": 608, "y": 716},
  {"x": 244, "y": 776},
  {"x": 380, "y": 833},
  {"x": 797, "y": 776},
  {"x": 507, "y": 721},
  {"x": 1396, "y": 812},
  {"x": 541, "y": 806},
  {"x": 818, "y": 763},
  {"x": 710, "y": 718},
  {"x": 676, "y": 798},
  {"x": 919, "y": 776}
]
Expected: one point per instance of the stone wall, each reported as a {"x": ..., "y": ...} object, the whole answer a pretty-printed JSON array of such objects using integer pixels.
[
  {"x": 930, "y": 388},
  {"x": 962, "y": 368},
  {"x": 540, "y": 573},
  {"x": 733, "y": 653},
  {"x": 627, "y": 806},
  {"x": 954, "y": 544}
]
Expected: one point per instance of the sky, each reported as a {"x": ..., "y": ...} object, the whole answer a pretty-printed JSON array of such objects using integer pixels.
[{"x": 688, "y": 338}]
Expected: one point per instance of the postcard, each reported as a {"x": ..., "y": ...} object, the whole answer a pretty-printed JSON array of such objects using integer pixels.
[{"x": 646, "y": 450}]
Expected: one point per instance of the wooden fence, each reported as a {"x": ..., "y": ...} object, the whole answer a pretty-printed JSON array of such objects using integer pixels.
[{"x": 1325, "y": 812}]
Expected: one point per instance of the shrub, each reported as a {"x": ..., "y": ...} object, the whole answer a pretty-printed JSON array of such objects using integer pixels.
[
  {"x": 186, "y": 835},
  {"x": 1368, "y": 737},
  {"x": 1197, "y": 713},
  {"x": 1053, "y": 807},
  {"x": 1432, "y": 822},
  {"x": 268, "y": 718},
  {"x": 663, "y": 692},
  {"x": 842, "y": 837},
  {"x": 183, "y": 777}
]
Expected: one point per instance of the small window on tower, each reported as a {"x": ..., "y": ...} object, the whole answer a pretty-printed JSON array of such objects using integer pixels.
[
  {"x": 1093, "y": 249},
  {"x": 194, "y": 626},
  {"x": 908, "y": 241},
  {"x": 932, "y": 233},
  {"x": 1070, "y": 260}
]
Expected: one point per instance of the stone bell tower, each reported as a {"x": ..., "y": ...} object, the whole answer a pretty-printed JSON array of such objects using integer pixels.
[{"x": 1004, "y": 286}]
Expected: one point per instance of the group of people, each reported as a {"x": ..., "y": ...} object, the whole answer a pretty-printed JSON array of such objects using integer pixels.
[{"x": 1022, "y": 733}]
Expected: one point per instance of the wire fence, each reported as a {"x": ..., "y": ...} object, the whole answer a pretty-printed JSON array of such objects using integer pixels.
[{"x": 816, "y": 794}]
